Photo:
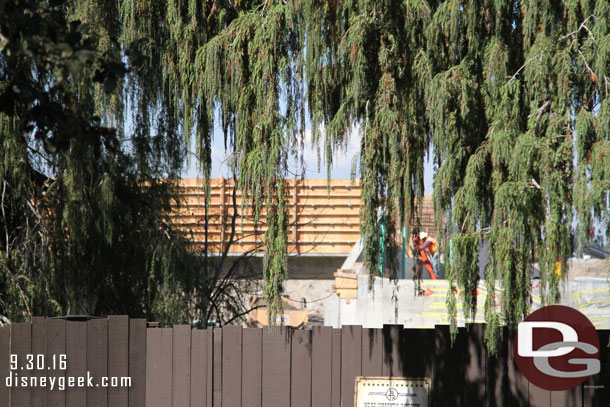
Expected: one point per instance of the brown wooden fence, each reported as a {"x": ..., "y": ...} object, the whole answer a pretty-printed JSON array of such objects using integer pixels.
[{"x": 231, "y": 366}]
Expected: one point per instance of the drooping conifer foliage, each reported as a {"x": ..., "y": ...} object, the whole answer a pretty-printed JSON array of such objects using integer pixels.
[
  {"x": 510, "y": 98},
  {"x": 83, "y": 205}
]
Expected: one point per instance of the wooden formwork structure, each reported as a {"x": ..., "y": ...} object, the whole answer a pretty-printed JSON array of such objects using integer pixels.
[{"x": 324, "y": 217}]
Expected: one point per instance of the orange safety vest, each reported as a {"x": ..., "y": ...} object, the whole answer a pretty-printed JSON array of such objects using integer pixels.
[{"x": 433, "y": 248}]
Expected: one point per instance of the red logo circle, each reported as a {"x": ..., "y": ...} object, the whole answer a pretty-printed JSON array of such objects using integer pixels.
[{"x": 556, "y": 348}]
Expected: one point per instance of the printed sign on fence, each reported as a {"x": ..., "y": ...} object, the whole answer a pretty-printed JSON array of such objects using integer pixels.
[{"x": 392, "y": 392}]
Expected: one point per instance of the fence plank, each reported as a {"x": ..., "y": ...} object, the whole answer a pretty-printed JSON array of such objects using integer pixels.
[
  {"x": 538, "y": 397},
  {"x": 335, "y": 378},
  {"x": 604, "y": 340},
  {"x": 217, "y": 396},
  {"x": 475, "y": 366},
  {"x": 153, "y": 361},
  {"x": 372, "y": 352},
  {"x": 21, "y": 345},
  {"x": 56, "y": 346},
  {"x": 417, "y": 349},
  {"x": 159, "y": 367},
  {"x": 181, "y": 376},
  {"x": 496, "y": 379},
  {"x": 231, "y": 365},
  {"x": 276, "y": 367},
  {"x": 568, "y": 398},
  {"x": 76, "y": 354},
  {"x": 252, "y": 365},
  {"x": 199, "y": 381},
  {"x": 118, "y": 358},
  {"x": 321, "y": 365},
  {"x": 517, "y": 393},
  {"x": 97, "y": 361},
  {"x": 137, "y": 362},
  {"x": 300, "y": 377},
  {"x": 210, "y": 367},
  {"x": 5, "y": 365},
  {"x": 351, "y": 362},
  {"x": 38, "y": 395},
  {"x": 596, "y": 389},
  {"x": 392, "y": 362},
  {"x": 448, "y": 370},
  {"x": 505, "y": 385}
]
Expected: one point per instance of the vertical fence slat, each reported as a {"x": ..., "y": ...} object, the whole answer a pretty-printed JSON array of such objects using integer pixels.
[
  {"x": 159, "y": 367},
  {"x": 506, "y": 386},
  {"x": 475, "y": 366},
  {"x": 596, "y": 389},
  {"x": 153, "y": 362},
  {"x": 181, "y": 376},
  {"x": 538, "y": 397},
  {"x": 372, "y": 352},
  {"x": 210, "y": 367},
  {"x": 568, "y": 398},
  {"x": 604, "y": 340},
  {"x": 38, "y": 395},
  {"x": 137, "y": 362},
  {"x": 517, "y": 392},
  {"x": 496, "y": 379},
  {"x": 199, "y": 381},
  {"x": 392, "y": 363},
  {"x": 97, "y": 361},
  {"x": 231, "y": 366},
  {"x": 321, "y": 365},
  {"x": 252, "y": 365},
  {"x": 118, "y": 358},
  {"x": 5, "y": 350},
  {"x": 351, "y": 362},
  {"x": 217, "y": 396},
  {"x": 417, "y": 351},
  {"x": 335, "y": 379},
  {"x": 300, "y": 376},
  {"x": 56, "y": 346},
  {"x": 276, "y": 367},
  {"x": 21, "y": 345},
  {"x": 448, "y": 362},
  {"x": 76, "y": 354}
]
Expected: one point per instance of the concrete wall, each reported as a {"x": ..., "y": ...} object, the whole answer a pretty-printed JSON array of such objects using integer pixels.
[
  {"x": 313, "y": 292},
  {"x": 398, "y": 302},
  {"x": 299, "y": 267}
]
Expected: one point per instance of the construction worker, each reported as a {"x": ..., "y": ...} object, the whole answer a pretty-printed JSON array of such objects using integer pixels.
[
  {"x": 426, "y": 248},
  {"x": 430, "y": 243}
]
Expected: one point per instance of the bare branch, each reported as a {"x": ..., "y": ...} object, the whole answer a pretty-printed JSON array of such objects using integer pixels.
[
  {"x": 588, "y": 68},
  {"x": 582, "y": 25},
  {"x": 244, "y": 313},
  {"x": 536, "y": 185},
  {"x": 524, "y": 65}
]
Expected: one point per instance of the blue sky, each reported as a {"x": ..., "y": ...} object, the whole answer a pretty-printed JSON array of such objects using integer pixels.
[{"x": 342, "y": 160}]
